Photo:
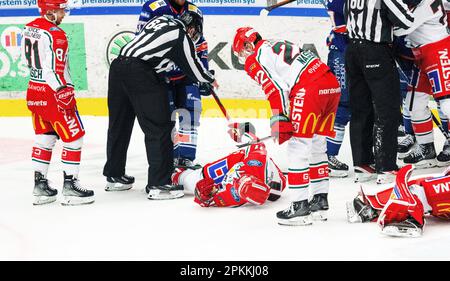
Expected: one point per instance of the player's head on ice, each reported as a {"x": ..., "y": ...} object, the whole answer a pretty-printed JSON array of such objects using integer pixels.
[
  {"x": 244, "y": 42},
  {"x": 194, "y": 24},
  {"x": 53, "y": 10}
]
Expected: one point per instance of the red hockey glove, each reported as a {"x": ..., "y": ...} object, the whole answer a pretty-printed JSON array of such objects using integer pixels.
[
  {"x": 281, "y": 128},
  {"x": 237, "y": 130},
  {"x": 65, "y": 99},
  {"x": 205, "y": 190}
]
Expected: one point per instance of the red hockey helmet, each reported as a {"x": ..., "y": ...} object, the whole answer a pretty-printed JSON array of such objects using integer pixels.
[
  {"x": 48, "y": 5},
  {"x": 253, "y": 189},
  {"x": 244, "y": 35}
]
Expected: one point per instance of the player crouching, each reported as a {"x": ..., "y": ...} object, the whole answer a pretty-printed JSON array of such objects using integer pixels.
[
  {"x": 247, "y": 175},
  {"x": 400, "y": 210}
]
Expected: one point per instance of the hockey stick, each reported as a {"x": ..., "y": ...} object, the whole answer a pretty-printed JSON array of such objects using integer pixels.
[
  {"x": 439, "y": 125},
  {"x": 265, "y": 11},
  {"x": 220, "y": 104},
  {"x": 253, "y": 142}
]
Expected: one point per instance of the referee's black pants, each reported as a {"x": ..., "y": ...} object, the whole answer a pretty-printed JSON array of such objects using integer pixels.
[
  {"x": 134, "y": 90},
  {"x": 374, "y": 88}
]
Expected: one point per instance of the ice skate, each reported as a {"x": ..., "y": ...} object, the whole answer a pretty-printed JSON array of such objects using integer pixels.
[
  {"x": 299, "y": 213},
  {"x": 422, "y": 156},
  {"x": 185, "y": 164},
  {"x": 405, "y": 146},
  {"x": 74, "y": 194},
  {"x": 319, "y": 207},
  {"x": 365, "y": 173},
  {"x": 42, "y": 192},
  {"x": 122, "y": 183},
  {"x": 164, "y": 192},
  {"x": 358, "y": 211},
  {"x": 443, "y": 159},
  {"x": 407, "y": 228},
  {"x": 336, "y": 168}
]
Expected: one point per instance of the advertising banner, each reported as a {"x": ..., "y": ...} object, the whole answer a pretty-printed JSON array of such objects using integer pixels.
[{"x": 309, "y": 8}]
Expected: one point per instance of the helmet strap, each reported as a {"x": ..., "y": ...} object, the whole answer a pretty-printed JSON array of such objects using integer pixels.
[{"x": 55, "y": 17}]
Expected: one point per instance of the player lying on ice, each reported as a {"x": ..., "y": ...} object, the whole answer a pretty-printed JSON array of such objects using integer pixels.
[
  {"x": 400, "y": 210},
  {"x": 247, "y": 175}
]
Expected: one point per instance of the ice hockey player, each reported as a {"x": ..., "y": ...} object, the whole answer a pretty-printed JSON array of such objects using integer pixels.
[
  {"x": 430, "y": 40},
  {"x": 400, "y": 210},
  {"x": 246, "y": 176},
  {"x": 51, "y": 100},
  {"x": 337, "y": 41},
  {"x": 304, "y": 96},
  {"x": 185, "y": 94}
]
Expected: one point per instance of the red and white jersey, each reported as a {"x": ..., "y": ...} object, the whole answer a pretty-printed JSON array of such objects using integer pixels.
[
  {"x": 251, "y": 161},
  {"x": 281, "y": 66},
  {"x": 430, "y": 24},
  {"x": 44, "y": 49}
]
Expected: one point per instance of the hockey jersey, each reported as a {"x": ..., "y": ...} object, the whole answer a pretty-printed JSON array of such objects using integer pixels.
[
  {"x": 156, "y": 8},
  {"x": 251, "y": 161},
  {"x": 430, "y": 24},
  {"x": 282, "y": 67},
  {"x": 45, "y": 50},
  {"x": 338, "y": 38}
]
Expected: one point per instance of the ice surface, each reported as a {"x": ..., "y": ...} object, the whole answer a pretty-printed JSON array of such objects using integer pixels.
[{"x": 127, "y": 226}]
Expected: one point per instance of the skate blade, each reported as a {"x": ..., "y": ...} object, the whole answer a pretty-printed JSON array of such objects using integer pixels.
[
  {"x": 425, "y": 164},
  {"x": 75, "y": 200},
  {"x": 162, "y": 195},
  {"x": 319, "y": 216},
  {"x": 402, "y": 232},
  {"x": 117, "y": 187},
  {"x": 338, "y": 174},
  {"x": 402, "y": 156},
  {"x": 352, "y": 216},
  {"x": 297, "y": 221},
  {"x": 42, "y": 200},
  {"x": 443, "y": 164}
]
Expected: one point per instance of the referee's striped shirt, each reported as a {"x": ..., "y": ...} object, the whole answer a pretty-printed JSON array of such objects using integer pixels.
[
  {"x": 374, "y": 20},
  {"x": 164, "y": 44}
]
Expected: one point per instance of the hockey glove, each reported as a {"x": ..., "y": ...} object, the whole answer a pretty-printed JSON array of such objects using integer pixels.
[
  {"x": 237, "y": 130},
  {"x": 281, "y": 128},
  {"x": 205, "y": 88},
  {"x": 205, "y": 190},
  {"x": 65, "y": 100}
]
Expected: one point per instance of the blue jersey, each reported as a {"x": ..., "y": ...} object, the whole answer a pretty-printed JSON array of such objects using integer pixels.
[
  {"x": 338, "y": 37},
  {"x": 156, "y": 8}
]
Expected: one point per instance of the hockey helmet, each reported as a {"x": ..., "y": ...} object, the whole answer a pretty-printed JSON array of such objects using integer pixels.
[
  {"x": 48, "y": 5},
  {"x": 252, "y": 189},
  {"x": 194, "y": 24},
  {"x": 243, "y": 36}
]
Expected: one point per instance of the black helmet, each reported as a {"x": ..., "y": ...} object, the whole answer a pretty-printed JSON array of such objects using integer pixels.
[{"x": 193, "y": 20}]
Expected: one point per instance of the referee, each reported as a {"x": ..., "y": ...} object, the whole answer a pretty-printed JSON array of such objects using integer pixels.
[
  {"x": 136, "y": 89},
  {"x": 374, "y": 84}
]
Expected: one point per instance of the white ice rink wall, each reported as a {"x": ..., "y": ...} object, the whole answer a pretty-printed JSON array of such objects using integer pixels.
[{"x": 94, "y": 29}]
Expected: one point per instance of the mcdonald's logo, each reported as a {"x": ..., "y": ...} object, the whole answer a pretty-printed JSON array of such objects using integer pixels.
[
  {"x": 331, "y": 117},
  {"x": 315, "y": 119}
]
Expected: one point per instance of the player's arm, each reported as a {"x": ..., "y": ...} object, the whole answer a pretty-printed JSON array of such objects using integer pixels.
[
  {"x": 399, "y": 13},
  {"x": 147, "y": 13},
  {"x": 185, "y": 56},
  {"x": 54, "y": 56},
  {"x": 274, "y": 92},
  {"x": 422, "y": 13},
  {"x": 67, "y": 75}
]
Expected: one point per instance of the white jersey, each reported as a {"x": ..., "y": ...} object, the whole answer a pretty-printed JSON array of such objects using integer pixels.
[{"x": 429, "y": 26}]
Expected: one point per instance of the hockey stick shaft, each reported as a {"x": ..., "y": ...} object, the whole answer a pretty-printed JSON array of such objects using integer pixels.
[
  {"x": 221, "y": 106},
  {"x": 439, "y": 125},
  {"x": 282, "y": 3}
]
